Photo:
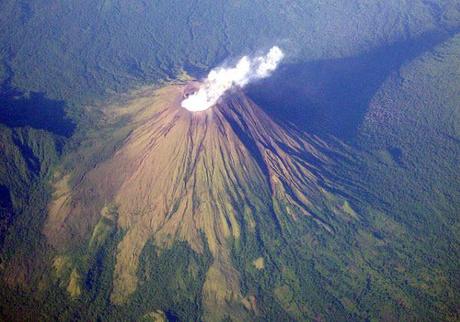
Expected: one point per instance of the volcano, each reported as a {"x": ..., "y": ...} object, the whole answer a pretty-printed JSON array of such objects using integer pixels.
[{"x": 213, "y": 180}]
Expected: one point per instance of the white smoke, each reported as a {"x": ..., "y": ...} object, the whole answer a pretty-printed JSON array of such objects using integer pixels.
[{"x": 221, "y": 79}]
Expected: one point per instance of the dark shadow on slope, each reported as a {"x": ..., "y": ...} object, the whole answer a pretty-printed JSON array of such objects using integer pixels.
[
  {"x": 5, "y": 200},
  {"x": 30, "y": 158},
  {"x": 34, "y": 110},
  {"x": 332, "y": 96},
  {"x": 6, "y": 211}
]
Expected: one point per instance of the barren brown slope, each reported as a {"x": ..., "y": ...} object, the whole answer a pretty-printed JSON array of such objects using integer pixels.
[{"x": 199, "y": 177}]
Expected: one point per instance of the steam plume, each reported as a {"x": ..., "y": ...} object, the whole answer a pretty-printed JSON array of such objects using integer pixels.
[{"x": 222, "y": 79}]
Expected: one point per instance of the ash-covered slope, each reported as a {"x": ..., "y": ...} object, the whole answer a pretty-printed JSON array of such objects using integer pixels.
[{"x": 211, "y": 179}]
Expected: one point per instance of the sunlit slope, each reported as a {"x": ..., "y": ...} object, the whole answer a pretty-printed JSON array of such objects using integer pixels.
[{"x": 206, "y": 178}]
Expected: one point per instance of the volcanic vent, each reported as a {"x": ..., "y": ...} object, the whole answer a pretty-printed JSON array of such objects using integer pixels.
[{"x": 208, "y": 178}]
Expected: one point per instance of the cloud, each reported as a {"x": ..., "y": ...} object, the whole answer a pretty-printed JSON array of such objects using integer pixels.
[{"x": 221, "y": 79}]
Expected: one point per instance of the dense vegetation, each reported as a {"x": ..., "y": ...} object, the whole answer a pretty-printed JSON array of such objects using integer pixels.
[
  {"x": 78, "y": 49},
  {"x": 381, "y": 76}
]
